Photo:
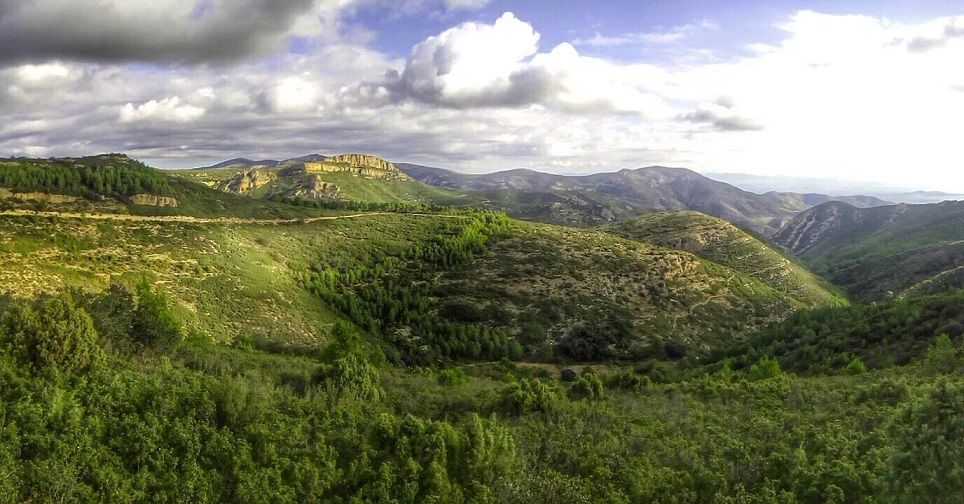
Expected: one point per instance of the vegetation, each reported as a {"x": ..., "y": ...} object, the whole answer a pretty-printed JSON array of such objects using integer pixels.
[
  {"x": 407, "y": 353},
  {"x": 92, "y": 177},
  {"x": 882, "y": 252},
  {"x": 393, "y": 293},
  {"x": 207, "y": 423},
  {"x": 721, "y": 242},
  {"x": 880, "y": 335}
]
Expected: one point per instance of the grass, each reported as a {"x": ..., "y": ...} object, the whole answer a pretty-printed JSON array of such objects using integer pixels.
[{"x": 229, "y": 280}]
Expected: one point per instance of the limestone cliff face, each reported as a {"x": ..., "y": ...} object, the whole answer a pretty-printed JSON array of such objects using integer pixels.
[
  {"x": 246, "y": 181},
  {"x": 37, "y": 196},
  {"x": 363, "y": 161},
  {"x": 153, "y": 200},
  {"x": 357, "y": 164}
]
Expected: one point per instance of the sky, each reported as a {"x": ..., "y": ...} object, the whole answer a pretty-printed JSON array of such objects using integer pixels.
[{"x": 845, "y": 90}]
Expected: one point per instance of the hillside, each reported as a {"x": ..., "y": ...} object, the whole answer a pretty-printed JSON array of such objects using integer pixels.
[
  {"x": 721, "y": 242},
  {"x": 346, "y": 177},
  {"x": 620, "y": 193},
  {"x": 596, "y": 296},
  {"x": 115, "y": 183},
  {"x": 541, "y": 286},
  {"x": 876, "y": 252}
]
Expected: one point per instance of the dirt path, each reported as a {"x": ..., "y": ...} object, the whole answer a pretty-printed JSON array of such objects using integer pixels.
[{"x": 203, "y": 220}]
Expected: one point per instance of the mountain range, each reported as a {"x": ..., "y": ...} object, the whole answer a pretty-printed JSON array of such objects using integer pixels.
[{"x": 615, "y": 195}]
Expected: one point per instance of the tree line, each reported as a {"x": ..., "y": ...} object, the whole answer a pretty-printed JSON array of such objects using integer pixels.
[{"x": 91, "y": 180}]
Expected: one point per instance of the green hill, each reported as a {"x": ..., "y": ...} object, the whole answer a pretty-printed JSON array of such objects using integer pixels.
[
  {"x": 877, "y": 252},
  {"x": 590, "y": 295},
  {"x": 724, "y": 243},
  {"x": 349, "y": 177},
  {"x": 115, "y": 183},
  {"x": 535, "y": 290}
]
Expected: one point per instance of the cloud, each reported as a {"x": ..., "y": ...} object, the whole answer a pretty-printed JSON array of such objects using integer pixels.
[
  {"x": 952, "y": 31},
  {"x": 719, "y": 118},
  {"x": 478, "y": 65},
  {"x": 160, "y": 30},
  {"x": 168, "y": 109},
  {"x": 676, "y": 34},
  {"x": 465, "y": 4},
  {"x": 835, "y": 96}
]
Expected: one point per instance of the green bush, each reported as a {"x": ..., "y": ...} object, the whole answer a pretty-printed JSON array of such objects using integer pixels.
[
  {"x": 856, "y": 367},
  {"x": 528, "y": 396},
  {"x": 52, "y": 332},
  {"x": 587, "y": 386},
  {"x": 154, "y": 322},
  {"x": 765, "y": 368}
]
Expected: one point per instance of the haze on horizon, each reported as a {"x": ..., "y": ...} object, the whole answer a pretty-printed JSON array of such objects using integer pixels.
[{"x": 855, "y": 91}]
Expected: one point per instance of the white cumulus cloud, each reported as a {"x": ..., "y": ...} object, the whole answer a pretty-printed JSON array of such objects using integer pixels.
[{"x": 167, "y": 109}]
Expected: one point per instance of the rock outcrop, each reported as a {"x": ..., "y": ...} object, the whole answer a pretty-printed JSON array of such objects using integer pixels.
[
  {"x": 312, "y": 187},
  {"x": 153, "y": 200},
  {"x": 246, "y": 181},
  {"x": 357, "y": 164},
  {"x": 363, "y": 161},
  {"x": 38, "y": 196}
]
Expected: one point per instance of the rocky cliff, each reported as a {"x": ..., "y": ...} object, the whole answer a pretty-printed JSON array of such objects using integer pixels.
[
  {"x": 153, "y": 200},
  {"x": 37, "y": 196},
  {"x": 246, "y": 181},
  {"x": 363, "y": 161},
  {"x": 357, "y": 164}
]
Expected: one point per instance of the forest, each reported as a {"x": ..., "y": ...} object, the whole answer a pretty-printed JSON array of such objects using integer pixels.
[{"x": 90, "y": 178}]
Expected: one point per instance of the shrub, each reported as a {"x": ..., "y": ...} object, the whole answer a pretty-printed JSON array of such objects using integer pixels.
[
  {"x": 154, "y": 323},
  {"x": 941, "y": 357},
  {"x": 856, "y": 367},
  {"x": 766, "y": 367},
  {"x": 528, "y": 396},
  {"x": 588, "y": 386},
  {"x": 53, "y": 332},
  {"x": 451, "y": 376}
]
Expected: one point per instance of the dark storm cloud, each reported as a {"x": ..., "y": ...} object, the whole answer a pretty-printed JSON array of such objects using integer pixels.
[
  {"x": 720, "y": 122},
  {"x": 158, "y": 31}
]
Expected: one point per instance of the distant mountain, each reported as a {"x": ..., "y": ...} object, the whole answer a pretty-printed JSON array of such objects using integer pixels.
[
  {"x": 765, "y": 183},
  {"x": 876, "y": 252},
  {"x": 241, "y": 163},
  {"x": 349, "y": 177},
  {"x": 247, "y": 164},
  {"x": 615, "y": 195}
]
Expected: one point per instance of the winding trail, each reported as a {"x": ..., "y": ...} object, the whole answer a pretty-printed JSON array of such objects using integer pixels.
[{"x": 187, "y": 219}]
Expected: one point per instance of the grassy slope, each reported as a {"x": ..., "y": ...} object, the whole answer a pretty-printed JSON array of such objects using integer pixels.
[
  {"x": 719, "y": 241},
  {"x": 244, "y": 279},
  {"x": 543, "y": 281},
  {"x": 230, "y": 280}
]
